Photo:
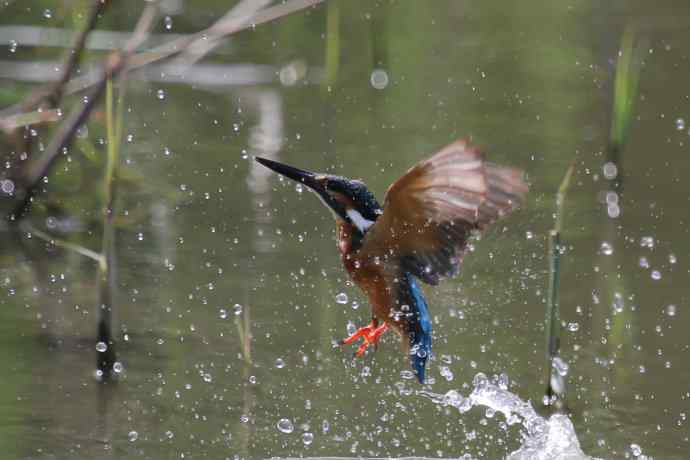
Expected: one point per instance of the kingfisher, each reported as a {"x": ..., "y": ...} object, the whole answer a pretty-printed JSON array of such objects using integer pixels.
[{"x": 419, "y": 234}]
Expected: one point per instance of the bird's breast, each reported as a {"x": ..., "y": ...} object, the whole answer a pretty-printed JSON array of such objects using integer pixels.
[{"x": 368, "y": 274}]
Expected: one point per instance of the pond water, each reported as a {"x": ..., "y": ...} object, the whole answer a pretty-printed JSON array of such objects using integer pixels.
[{"x": 210, "y": 244}]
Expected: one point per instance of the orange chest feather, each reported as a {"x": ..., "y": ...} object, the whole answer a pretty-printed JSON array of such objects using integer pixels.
[{"x": 369, "y": 276}]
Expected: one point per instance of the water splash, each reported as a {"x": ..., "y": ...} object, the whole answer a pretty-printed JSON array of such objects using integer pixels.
[{"x": 542, "y": 438}]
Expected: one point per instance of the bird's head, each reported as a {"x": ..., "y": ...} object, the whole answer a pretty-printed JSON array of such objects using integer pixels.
[{"x": 349, "y": 199}]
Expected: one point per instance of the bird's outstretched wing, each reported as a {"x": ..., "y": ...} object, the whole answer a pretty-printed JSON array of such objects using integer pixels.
[{"x": 429, "y": 212}]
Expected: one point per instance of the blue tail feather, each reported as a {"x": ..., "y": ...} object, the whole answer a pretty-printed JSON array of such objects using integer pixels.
[{"x": 419, "y": 326}]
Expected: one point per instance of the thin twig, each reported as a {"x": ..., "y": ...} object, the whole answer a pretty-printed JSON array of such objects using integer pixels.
[
  {"x": 27, "y": 185},
  {"x": 57, "y": 242},
  {"x": 53, "y": 93},
  {"x": 19, "y": 120}
]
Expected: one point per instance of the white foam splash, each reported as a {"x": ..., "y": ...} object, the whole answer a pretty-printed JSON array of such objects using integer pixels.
[{"x": 552, "y": 438}]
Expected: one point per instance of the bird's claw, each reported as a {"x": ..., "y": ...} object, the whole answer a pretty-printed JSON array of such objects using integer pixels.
[{"x": 370, "y": 335}]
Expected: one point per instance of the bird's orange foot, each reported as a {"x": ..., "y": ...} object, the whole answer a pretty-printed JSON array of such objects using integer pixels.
[{"x": 370, "y": 334}]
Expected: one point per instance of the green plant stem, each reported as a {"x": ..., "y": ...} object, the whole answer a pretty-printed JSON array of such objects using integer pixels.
[{"x": 553, "y": 314}]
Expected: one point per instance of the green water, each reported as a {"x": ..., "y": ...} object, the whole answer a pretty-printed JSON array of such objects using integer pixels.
[{"x": 202, "y": 229}]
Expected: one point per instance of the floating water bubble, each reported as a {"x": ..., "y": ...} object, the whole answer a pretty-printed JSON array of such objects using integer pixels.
[
  {"x": 237, "y": 309},
  {"x": 606, "y": 248},
  {"x": 168, "y": 22},
  {"x": 573, "y": 327},
  {"x": 140, "y": 236},
  {"x": 341, "y": 298},
  {"x": 656, "y": 275},
  {"x": 351, "y": 328},
  {"x": 223, "y": 313},
  {"x": 299, "y": 188},
  {"x": 280, "y": 363},
  {"x": 118, "y": 367},
  {"x": 644, "y": 263},
  {"x": 160, "y": 94},
  {"x": 132, "y": 436},
  {"x": 355, "y": 305},
  {"x": 101, "y": 347},
  {"x": 529, "y": 235},
  {"x": 13, "y": 46},
  {"x": 671, "y": 310},
  {"x": 47, "y": 13},
  {"x": 672, "y": 259},
  {"x": 379, "y": 78},
  {"x": 680, "y": 124},
  {"x": 284, "y": 425}
]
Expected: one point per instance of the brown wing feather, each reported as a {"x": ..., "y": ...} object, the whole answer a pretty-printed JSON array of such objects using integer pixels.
[{"x": 430, "y": 211}]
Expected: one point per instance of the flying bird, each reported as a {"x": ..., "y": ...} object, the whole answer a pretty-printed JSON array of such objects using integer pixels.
[{"x": 419, "y": 234}]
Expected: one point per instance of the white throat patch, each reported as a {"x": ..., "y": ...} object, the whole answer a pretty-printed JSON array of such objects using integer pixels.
[{"x": 359, "y": 221}]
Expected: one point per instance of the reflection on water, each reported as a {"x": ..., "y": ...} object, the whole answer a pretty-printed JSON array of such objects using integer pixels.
[{"x": 230, "y": 290}]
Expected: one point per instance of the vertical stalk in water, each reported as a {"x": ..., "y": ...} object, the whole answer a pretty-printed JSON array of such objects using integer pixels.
[
  {"x": 106, "y": 354},
  {"x": 553, "y": 314}
]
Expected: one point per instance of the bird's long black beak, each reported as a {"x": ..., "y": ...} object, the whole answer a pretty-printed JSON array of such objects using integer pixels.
[{"x": 298, "y": 175}]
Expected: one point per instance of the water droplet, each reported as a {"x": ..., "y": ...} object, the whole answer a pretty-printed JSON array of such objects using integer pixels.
[
  {"x": 168, "y": 22},
  {"x": 237, "y": 309},
  {"x": 644, "y": 263},
  {"x": 672, "y": 259},
  {"x": 132, "y": 436},
  {"x": 647, "y": 242},
  {"x": 671, "y": 310},
  {"x": 379, "y": 79},
  {"x": 166, "y": 151},
  {"x": 13, "y": 46},
  {"x": 560, "y": 366},
  {"x": 299, "y": 188},
  {"x": 280, "y": 363},
  {"x": 223, "y": 313},
  {"x": 7, "y": 186},
  {"x": 285, "y": 426},
  {"x": 160, "y": 94},
  {"x": 606, "y": 248},
  {"x": 118, "y": 367},
  {"x": 613, "y": 210},
  {"x": 47, "y": 14},
  {"x": 169, "y": 434},
  {"x": 341, "y": 298},
  {"x": 101, "y": 347},
  {"x": 140, "y": 236},
  {"x": 642, "y": 369},
  {"x": 635, "y": 450},
  {"x": 573, "y": 327},
  {"x": 446, "y": 373},
  {"x": 529, "y": 235},
  {"x": 355, "y": 305},
  {"x": 680, "y": 124},
  {"x": 656, "y": 275},
  {"x": 610, "y": 170},
  {"x": 307, "y": 438}
]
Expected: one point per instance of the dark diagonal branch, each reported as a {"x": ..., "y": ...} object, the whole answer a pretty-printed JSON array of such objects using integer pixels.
[{"x": 115, "y": 63}]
